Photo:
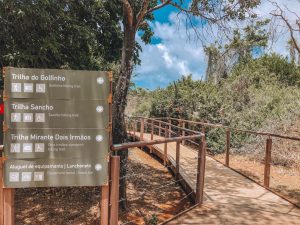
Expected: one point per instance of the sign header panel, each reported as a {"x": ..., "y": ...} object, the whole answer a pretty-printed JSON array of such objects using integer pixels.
[
  {"x": 56, "y": 84},
  {"x": 38, "y": 113},
  {"x": 56, "y": 143}
]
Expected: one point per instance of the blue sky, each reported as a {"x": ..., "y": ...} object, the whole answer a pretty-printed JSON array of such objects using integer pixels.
[{"x": 173, "y": 53}]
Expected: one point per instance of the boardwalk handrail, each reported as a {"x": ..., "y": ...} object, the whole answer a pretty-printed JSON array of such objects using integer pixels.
[
  {"x": 125, "y": 146},
  {"x": 234, "y": 129}
]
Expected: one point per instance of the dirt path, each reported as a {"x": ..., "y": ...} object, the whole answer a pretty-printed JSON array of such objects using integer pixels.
[{"x": 152, "y": 194}]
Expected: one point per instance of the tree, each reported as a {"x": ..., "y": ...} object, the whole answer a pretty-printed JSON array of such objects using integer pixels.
[
  {"x": 240, "y": 49},
  {"x": 58, "y": 33},
  {"x": 135, "y": 17}
]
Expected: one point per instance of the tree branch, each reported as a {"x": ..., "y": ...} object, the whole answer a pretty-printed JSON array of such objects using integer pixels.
[
  {"x": 129, "y": 12},
  {"x": 164, "y": 3},
  {"x": 142, "y": 12},
  {"x": 290, "y": 27}
]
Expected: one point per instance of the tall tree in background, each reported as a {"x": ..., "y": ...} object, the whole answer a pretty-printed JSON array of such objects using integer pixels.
[
  {"x": 293, "y": 28},
  {"x": 136, "y": 15},
  {"x": 240, "y": 49}
]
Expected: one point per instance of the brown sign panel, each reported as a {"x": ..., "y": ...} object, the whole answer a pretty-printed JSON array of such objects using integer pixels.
[
  {"x": 56, "y": 127},
  {"x": 56, "y": 84},
  {"x": 55, "y": 172},
  {"x": 56, "y": 143},
  {"x": 40, "y": 113}
]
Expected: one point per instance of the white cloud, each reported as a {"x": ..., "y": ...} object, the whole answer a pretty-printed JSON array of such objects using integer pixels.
[
  {"x": 179, "y": 53},
  {"x": 173, "y": 57}
]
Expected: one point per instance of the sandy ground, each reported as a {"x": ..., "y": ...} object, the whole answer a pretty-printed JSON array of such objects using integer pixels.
[
  {"x": 283, "y": 180},
  {"x": 152, "y": 196}
]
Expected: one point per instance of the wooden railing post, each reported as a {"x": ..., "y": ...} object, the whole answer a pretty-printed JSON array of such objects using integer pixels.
[
  {"x": 267, "y": 163},
  {"x": 177, "y": 160},
  {"x": 170, "y": 128},
  {"x": 142, "y": 129},
  {"x": 104, "y": 204},
  {"x": 134, "y": 129},
  {"x": 146, "y": 125},
  {"x": 114, "y": 192},
  {"x": 159, "y": 129},
  {"x": 166, "y": 147},
  {"x": 227, "y": 147},
  {"x": 152, "y": 129},
  {"x": 200, "y": 173},
  {"x": 203, "y": 131},
  {"x": 183, "y": 132},
  {"x": 152, "y": 134}
]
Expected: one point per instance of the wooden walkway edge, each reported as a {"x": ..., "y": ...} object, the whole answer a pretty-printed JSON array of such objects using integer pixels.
[{"x": 229, "y": 198}]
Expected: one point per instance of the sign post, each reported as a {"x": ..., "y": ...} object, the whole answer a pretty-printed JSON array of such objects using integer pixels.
[{"x": 57, "y": 127}]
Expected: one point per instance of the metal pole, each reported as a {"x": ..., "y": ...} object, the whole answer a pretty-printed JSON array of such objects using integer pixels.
[
  {"x": 104, "y": 204},
  {"x": 267, "y": 163},
  {"x": 114, "y": 192},
  {"x": 227, "y": 147},
  {"x": 177, "y": 159},
  {"x": 200, "y": 173},
  {"x": 142, "y": 129},
  {"x": 165, "y": 147}
]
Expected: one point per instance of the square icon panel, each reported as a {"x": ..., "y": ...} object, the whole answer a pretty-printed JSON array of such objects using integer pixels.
[
  {"x": 15, "y": 147},
  {"x": 26, "y": 176},
  {"x": 40, "y": 117},
  {"x": 27, "y": 147},
  {"x": 27, "y": 117},
  {"x": 40, "y": 88},
  {"x": 38, "y": 176},
  {"x": 16, "y": 87},
  {"x": 14, "y": 177},
  {"x": 39, "y": 147},
  {"x": 28, "y": 87},
  {"x": 15, "y": 117}
]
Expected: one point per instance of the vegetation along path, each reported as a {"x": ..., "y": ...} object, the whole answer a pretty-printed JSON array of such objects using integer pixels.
[{"x": 230, "y": 198}]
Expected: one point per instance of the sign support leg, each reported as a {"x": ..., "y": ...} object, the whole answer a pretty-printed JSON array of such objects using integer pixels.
[
  {"x": 104, "y": 204},
  {"x": 9, "y": 206},
  {"x": 1, "y": 193}
]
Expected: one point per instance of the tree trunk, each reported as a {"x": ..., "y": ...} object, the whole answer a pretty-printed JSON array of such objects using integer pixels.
[{"x": 119, "y": 104}]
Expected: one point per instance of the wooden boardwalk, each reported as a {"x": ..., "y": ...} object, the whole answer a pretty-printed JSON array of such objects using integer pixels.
[{"x": 230, "y": 198}]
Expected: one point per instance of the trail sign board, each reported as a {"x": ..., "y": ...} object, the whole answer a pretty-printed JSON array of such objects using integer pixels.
[{"x": 57, "y": 125}]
